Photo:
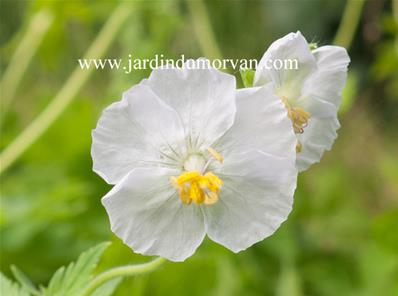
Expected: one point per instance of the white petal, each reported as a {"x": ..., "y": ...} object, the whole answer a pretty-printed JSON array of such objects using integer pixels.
[
  {"x": 288, "y": 82},
  {"x": 256, "y": 198},
  {"x": 327, "y": 82},
  {"x": 146, "y": 213},
  {"x": 261, "y": 123},
  {"x": 138, "y": 130},
  {"x": 317, "y": 107},
  {"x": 203, "y": 98},
  {"x": 318, "y": 136}
]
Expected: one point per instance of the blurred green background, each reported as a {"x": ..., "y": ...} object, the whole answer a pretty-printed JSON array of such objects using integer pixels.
[{"x": 342, "y": 236}]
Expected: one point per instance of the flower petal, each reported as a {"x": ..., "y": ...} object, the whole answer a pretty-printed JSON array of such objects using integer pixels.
[
  {"x": 261, "y": 123},
  {"x": 138, "y": 130},
  {"x": 318, "y": 136},
  {"x": 147, "y": 214},
  {"x": 327, "y": 82},
  {"x": 288, "y": 82},
  {"x": 256, "y": 198},
  {"x": 203, "y": 98},
  {"x": 317, "y": 107}
]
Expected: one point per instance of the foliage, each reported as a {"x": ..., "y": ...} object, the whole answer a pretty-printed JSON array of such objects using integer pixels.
[
  {"x": 247, "y": 77},
  {"x": 70, "y": 280},
  {"x": 9, "y": 288}
]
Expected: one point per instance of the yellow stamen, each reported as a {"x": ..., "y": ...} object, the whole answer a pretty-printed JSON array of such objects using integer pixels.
[
  {"x": 196, "y": 193},
  {"x": 298, "y": 116},
  {"x": 195, "y": 187},
  {"x": 299, "y": 146},
  {"x": 211, "y": 198},
  {"x": 215, "y": 154}
]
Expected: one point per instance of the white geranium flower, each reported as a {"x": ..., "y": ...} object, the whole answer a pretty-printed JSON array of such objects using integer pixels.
[
  {"x": 311, "y": 93},
  {"x": 191, "y": 156}
]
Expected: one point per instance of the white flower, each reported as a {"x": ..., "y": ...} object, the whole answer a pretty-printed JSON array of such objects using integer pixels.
[
  {"x": 311, "y": 93},
  {"x": 191, "y": 156}
]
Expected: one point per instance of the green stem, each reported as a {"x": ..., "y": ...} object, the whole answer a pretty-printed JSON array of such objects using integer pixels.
[
  {"x": 395, "y": 13},
  {"x": 22, "y": 56},
  {"x": 129, "y": 270},
  {"x": 67, "y": 92},
  {"x": 349, "y": 23},
  {"x": 203, "y": 30}
]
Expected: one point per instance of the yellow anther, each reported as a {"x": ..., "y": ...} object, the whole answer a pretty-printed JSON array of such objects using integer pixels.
[
  {"x": 298, "y": 116},
  {"x": 188, "y": 177},
  {"x": 195, "y": 187},
  {"x": 213, "y": 183},
  {"x": 196, "y": 194},
  {"x": 184, "y": 196},
  {"x": 211, "y": 198},
  {"x": 299, "y": 146},
  {"x": 215, "y": 154}
]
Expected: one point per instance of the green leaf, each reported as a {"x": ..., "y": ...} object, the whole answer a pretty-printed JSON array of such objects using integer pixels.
[
  {"x": 9, "y": 288},
  {"x": 25, "y": 282},
  {"x": 108, "y": 288},
  {"x": 71, "y": 280},
  {"x": 247, "y": 77}
]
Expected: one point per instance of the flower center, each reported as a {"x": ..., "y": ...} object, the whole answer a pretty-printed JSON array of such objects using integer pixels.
[
  {"x": 298, "y": 116},
  {"x": 195, "y": 184},
  {"x": 299, "y": 119}
]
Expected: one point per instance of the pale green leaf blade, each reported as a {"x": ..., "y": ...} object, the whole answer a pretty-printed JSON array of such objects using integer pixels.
[
  {"x": 9, "y": 288},
  {"x": 25, "y": 282},
  {"x": 247, "y": 77},
  {"x": 71, "y": 280}
]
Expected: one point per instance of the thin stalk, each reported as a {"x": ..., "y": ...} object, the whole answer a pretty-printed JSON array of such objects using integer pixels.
[
  {"x": 203, "y": 30},
  {"x": 129, "y": 270},
  {"x": 349, "y": 23},
  {"x": 395, "y": 13},
  {"x": 20, "y": 60},
  {"x": 69, "y": 90}
]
